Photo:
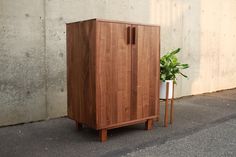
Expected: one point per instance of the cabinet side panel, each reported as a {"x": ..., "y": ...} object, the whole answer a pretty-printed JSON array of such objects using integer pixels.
[
  {"x": 81, "y": 72},
  {"x": 69, "y": 48},
  {"x": 158, "y": 42}
]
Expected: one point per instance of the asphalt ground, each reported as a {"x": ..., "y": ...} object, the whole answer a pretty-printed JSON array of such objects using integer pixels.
[{"x": 204, "y": 125}]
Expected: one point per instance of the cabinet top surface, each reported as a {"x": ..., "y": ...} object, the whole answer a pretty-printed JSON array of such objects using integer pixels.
[{"x": 114, "y": 21}]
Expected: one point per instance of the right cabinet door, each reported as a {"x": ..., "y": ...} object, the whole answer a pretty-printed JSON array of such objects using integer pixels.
[{"x": 145, "y": 70}]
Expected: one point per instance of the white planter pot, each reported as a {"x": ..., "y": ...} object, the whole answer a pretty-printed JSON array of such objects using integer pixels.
[{"x": 163, "y": 89}]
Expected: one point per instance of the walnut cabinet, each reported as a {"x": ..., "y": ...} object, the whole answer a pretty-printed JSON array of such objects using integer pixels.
[{"x": 112, "y": 74}]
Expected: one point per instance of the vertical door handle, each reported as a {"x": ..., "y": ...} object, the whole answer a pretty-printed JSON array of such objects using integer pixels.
[
  {"x": 128, "y": 34},
  {"x": 133, "y": 35}
]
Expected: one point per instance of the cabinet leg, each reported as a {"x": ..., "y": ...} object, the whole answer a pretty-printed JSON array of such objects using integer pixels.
[
  {"x": 149, "y": 124},
  {"x": 79, "y": 125},
  {"x": 103, "y": 135}
]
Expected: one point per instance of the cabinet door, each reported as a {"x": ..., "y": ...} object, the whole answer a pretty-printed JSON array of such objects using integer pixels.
[
  {"x": 113, "y": 73},
  {"x": 145, "y": 70}
]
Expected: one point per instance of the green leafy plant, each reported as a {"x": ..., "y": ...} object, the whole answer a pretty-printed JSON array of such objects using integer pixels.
[{"x": 171, "y": 67}]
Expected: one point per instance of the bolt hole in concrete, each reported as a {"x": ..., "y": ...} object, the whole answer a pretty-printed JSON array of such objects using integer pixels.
[
  {"x": 28, "y": 92},
  {"x": 27, "y": 54},
  {"x": 61, "y": 19},
  {"x": 27, "y": 15},
  {"x": 61, "y": 54}
]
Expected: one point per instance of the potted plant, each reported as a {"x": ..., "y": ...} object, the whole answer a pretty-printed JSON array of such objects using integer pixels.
[{"x": 170, "y": 67}]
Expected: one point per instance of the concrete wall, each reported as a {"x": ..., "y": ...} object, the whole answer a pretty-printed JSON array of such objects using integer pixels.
[
  {"x": 33, "y": 47},
  {"x": 22, "y": 60}
]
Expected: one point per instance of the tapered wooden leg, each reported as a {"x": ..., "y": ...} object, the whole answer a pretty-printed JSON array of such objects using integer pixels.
[
  {"x": 166, "y": 105},
  {"x": 79, "y": 125},
  {"x": 103, "y": 135},
  {"x": 158, "y": 111},
  {"x": 158, "y": 105},
  {"x": 149, "y": 124},
  {"x": 172, "y": 111},
  {"x": 172, "y": 107}
]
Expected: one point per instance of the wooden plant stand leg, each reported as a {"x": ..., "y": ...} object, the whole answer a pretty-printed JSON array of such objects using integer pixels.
[
  {"x": 172, "y": 107},
  {"x": 79, "y": 125},
  {"x": 158, "y": 107},
  {"x": 158, "y": 111},
  {"x": 166, "y": 105},
  {"x": 149, "y": 124},
  {"x": 103, "y": 135}
]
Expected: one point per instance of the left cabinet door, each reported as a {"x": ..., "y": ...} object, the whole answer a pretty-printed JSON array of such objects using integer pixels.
[{"x": 113, "y": 73}]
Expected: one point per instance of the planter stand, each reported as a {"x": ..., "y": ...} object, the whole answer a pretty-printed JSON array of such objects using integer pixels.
[{"x": 167, "y": 106}]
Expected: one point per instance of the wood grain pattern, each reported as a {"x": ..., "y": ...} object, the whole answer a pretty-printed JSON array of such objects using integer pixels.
[
  {"x": 127, "y": 123},
  {"x": 149, "y": 124},
  {"x": 81, "y": 72},
  {"x": 103, "y": 135},
  {"x": 166, "y": 105},
  {"x": 172, "y": 106},
  {"x": 112, "y": 73},
  {"x": 145, "y": 71}
]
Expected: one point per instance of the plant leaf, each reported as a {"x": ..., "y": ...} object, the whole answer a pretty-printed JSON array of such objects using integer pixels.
[{"x": 170, "y": 66}]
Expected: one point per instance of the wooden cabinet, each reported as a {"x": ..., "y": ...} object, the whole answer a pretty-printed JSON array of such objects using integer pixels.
[{"x": 112, "y": 73}]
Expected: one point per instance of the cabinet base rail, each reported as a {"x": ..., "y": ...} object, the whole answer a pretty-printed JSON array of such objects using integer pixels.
[{"x": 103, "y": 131}]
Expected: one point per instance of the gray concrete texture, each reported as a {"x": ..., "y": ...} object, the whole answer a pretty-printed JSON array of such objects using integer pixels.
[
  {"x": 33, "y": 47},
  {"x": 204, "y": 125}
]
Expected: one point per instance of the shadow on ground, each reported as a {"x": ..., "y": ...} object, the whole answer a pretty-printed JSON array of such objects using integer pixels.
[{"x": 61, "y": 138}]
